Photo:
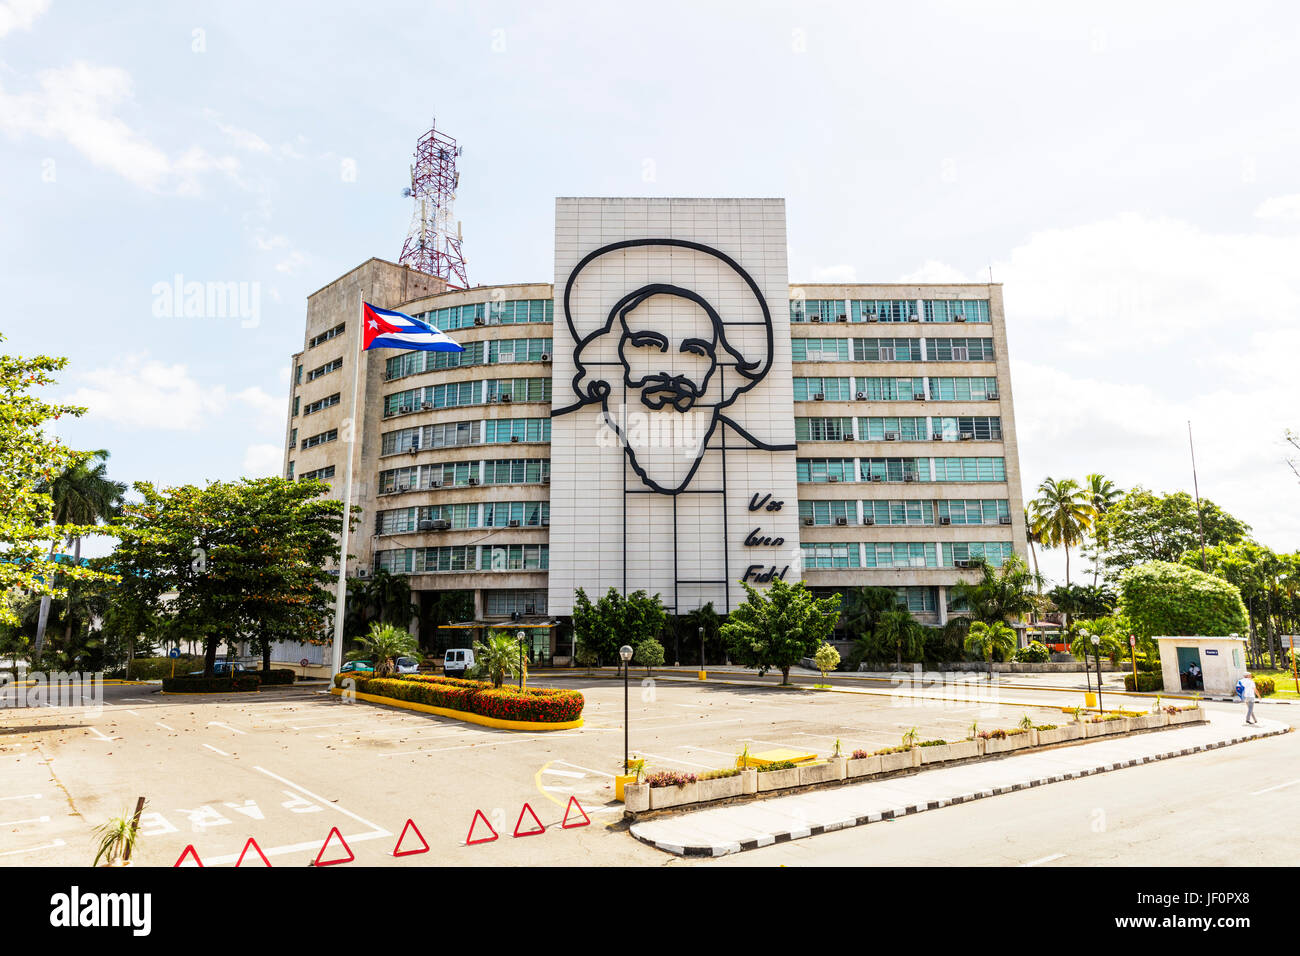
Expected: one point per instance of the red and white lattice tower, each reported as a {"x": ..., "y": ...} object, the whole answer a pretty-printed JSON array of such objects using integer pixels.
[{"x": 433, "y": 242}]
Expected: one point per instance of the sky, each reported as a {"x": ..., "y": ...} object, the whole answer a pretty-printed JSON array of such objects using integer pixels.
[{"x": 1127, "y": 171}]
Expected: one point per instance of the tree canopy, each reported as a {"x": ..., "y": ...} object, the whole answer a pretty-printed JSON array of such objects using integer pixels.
[
  {"x": 607, "y": 624},
  {"x": 1143, "y": 526},
  {"x": 776, "y": 628},
  {"x": 1159, "y": 598}
]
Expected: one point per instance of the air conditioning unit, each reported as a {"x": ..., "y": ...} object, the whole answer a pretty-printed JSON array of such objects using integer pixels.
[
  {"x": 848, "y": 438},
  {"x": 966, "y": 436},
  {"x": 841, "y": 521},
  {"x": 961, "y": 563},
  {"x": 514, "y": 438},
  {"x": 403, "y": 487},
  {"x": 832, "y": 477},
  {"x": 841, "y": 318},
  {"x": 546, "y": 522},
  {"x": 992, "y": 396},
  {"x": 814, "y": 318},
  {"x": 435, "y": 484},
  {"x": 513, "y": 523},
  {"x": 918, "y": 396},
  {"x": 471, "y": 482},
  {"x": 868, "y": 520},
  {"x": 938, "y": 436},
  {"x": 861, "y": 396},
  {"x": 875, "y": 477},
  {"x": 808, "y": 522},
  {"x": 405, "y": 409},
  {"x": 427, "y": 406},
  {"x": 363, "y": 572},
  {"x": 478, "y": 321},
  {"x": 914, "y": 318},
  {"x": 909, "y": 477},
  {"x": 944, "y": 520},
  {"x": 959, "y": 317},
  {"x": 506, "y": 398},
  {"x": 1004, "y": 519},
  {"x": 440, "y": 524},
  {"x": 546, "y": 479},
  {"x": 872, "y": 317},
  {"x": 891, "y": 436},
  {"x": 546, "y": 356},
  {"x": 424, "y": 526},
  {"x": 819, "y": 397}
]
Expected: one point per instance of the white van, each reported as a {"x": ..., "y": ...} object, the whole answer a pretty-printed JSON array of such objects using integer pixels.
[{"x": 457, "y": 661}]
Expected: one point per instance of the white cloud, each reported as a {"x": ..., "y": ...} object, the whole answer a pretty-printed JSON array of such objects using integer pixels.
[
  {"x": 20, "y": 14},
  {"x": 240, "y": 138},
  {"x": 263, "y": 461},
  {"x": 934, "y": 271},
  {"x": 143, "y": 393},
  {"x": 1285, "y": 208},
  {"x": 837, "y": 273},
  {"x": 290, "y": 264},
  {"x": 79, "y": 104}
]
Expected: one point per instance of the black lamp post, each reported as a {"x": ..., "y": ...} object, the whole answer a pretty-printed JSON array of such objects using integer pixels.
[
  {"x": 625, "y": 655},
  {"x": 1087, "y": 671},
  {"x": 1096, "y": 650},
  {"x": 701, "y": 631},
  {"x": 519, "y": 636}
]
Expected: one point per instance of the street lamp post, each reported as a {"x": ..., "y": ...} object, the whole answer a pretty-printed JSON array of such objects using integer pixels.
[
  {"x": 625, "y": 655},
  {"x": 1096, "y": 650},
  {"x": 519, "y": 636},
  {"x": 701, "y": 632},
  {"x": 1087, "y": 671}
]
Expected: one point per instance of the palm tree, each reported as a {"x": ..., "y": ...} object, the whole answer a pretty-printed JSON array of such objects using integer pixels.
[
  {"x": 1063, "y": 514},
  {"x": 1034, "y": 536},
  {"x": 498, "y": 659},
  {"x": 1001, "y": 593},
  {"x": 382, "y": 644},
  {"x": 897, "y": 629},
  {"x": 83, "y": 495},
  {"x": 986, "y": 639},
  {"x": 863, "y": 607},
  {"x": 1102, "y": 495}
]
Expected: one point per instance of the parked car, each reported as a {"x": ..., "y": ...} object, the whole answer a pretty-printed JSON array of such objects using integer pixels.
[
  {"x": 408, "y": 665},
  {"x": 405, "y": 665},
  {"x": 224, "y": 669},
  {"x": 357, "y": 666},
  {"x": 457, "y": 661}
]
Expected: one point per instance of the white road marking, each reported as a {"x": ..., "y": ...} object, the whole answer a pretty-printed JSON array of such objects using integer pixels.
[
  {"x": 24, "y": 796},
  {"x": 132, "y": 713},
  {"x": 98, "y": 733},
  {"x": 212, "y": 748},
  {"x": 1044, "y": 859},
  {"x": 1292, "y": 783},
  {"x": 142, "y": 700},
  {"x": 217, "y": 723},
  {"x": 566, "y": 789},
  {"x": 292, "y": 848},
  {"x": 33, "y": 849},
  {"x": 164, "y": 726},
  {"x": 689, "y": 763},
  {"x": 347, "y": 813},
  {"x": 14, "y": 823},
  {"x": 499, "y": 743},
  {"x": 564, "y": 773},
  {"x": 587, "y": 769},
  {"x": 706, "y": 750}
]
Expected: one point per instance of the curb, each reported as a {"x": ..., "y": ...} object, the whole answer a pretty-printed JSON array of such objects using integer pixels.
[{"x": 725, "y": 849}]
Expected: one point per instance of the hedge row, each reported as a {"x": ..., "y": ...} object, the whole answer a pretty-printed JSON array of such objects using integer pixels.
[
  {"x": 281, "y": 675},
  {"x": 542, "y": 705},
  {"x": 1145, "y": 682},
  {"x": 154, "y": 668},
  {"x": 198, "y": 685}
]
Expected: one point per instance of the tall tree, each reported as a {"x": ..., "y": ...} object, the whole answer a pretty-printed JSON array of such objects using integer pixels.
[
  {"x": 1143, "y": 526},
  {"x": 861, "y": 608},
  {"x": 83, "y": 496},
  {"x": 777, "y": 628},
  {"x": 1102, "y": 494},
  {"x": 1034, "y": 535},
  {"x": 1001, "y": 594},
  {"x": 605, "y": 625},
  {"x": 1063, "y": 515}
]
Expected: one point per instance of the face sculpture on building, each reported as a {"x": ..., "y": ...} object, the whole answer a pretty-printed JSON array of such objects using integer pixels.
[{"x": 667, "y": 362}]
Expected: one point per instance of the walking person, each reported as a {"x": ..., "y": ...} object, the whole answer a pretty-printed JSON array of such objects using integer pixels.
[{"x": 1246, "y": 688}]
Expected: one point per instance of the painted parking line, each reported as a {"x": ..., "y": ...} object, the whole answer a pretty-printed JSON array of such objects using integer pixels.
[
  {"x": 23, "y": 796},
  {"x": 14, "y": 823},
  {"x": 498, "y": 743},
  {"x": 33, "y": 849},
  {"x": 688, "y": 763},
  {"x": 1280, "y": 786},
  {"x": 98, "y": 733},
  {"x": 379, "y": 831},
  {"x": 587, "y": 769},
  {"x": 1044, "y": 859},
  {"x": 565, "y": 773},
  {"x": 214, "y": 749},
  {"x": 217, "y": 723},
  {"x": 164, "y": 726},
  {"x": 296, "y": 848}
]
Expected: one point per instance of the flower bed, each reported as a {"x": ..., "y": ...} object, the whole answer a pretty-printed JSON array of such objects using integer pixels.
[{"x": 534, "y": 704}]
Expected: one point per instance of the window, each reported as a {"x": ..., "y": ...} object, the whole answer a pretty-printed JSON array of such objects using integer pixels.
[
  {"x": 916, "y": 513},
  {"x": 956, "y": 310},
  {"x": 823, "y": 429},
  {"x": 514, "y": 557},
  {"x": 325, "y": 369},
  {"x": 974, "y": 511},
  {"x": 830, "y": 556},
  {"x": 911, "y": 428},
  {"x": 516, "y": 430},
  {"x": 828, "y": 512},
  {"x": 333, "y": 333},
  {"x": 454, "y": 558},
  {"x": 322, "y": 438},
  {"x": 321, "y": 403},
  {"x": 516, "y": 471},
  {"x": 887, "y": 350},
  {"x": 406, "y": 439},
  {"x": 297, "y": 378},
  {"x": 831, "y": 389},
  {"x": 968, "y": 428},
  {"x": 295, "y": 404},
  {"x": 819, "y": 350},
  {"x": 290, "y": 474},
  {"x": 510, "y": 312},
  {"x": 502, "y": 602},
  {"x": 518, "y": 350},
  {"x": 882, "y": 310},
  {"x": 963, "y": 389},
  {"x": 959, "y": 350},
  {"x": 822, "y": 310},
  {"x": 519, "y": 389},
  {"x": 916, "y": 598},
  {"x": 970, "y": 469},
  {"x": 824, "y": 469},
  {"x": 900, "y": 554},
  {"x": 326, "y": 472},
  {"x": 293, "y": 438},
  {"x": 993, "y": 552},
  {"x": 891, "y": 389},
  {"x": 529, "y": 514},
  {"x": 400, "y": 561},
  {"x": 895, "y": 469}
]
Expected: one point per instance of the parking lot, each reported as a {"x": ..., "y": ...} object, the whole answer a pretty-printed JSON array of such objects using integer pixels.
[{"x": 284, "y": 767}]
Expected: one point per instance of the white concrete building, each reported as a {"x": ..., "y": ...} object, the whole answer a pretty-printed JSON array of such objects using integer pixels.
[{"x": 672, "y": 415}]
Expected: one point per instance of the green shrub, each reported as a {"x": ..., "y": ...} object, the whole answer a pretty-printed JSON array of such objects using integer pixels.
[
  {"x": 649, "y": 653},
  {"x": 932, "y": 743},
  {"x": 540, "y": 704},
  {"x": 1159, "y": 598},
  {"x": 278, "y": 676},
  {"x": 720, "y": 774},
  {"x": 211, "y": 685},
  {"x": 776, "y": 765},
  {"x": 1265, "y": 686},
  {"x": 883, "y": 751},
  {"x": 1035, "y": 652},
  {"x": 156, "y": 668},
  {"x": 669, "y": 778},
  {"x": 1145, "y": 682}
]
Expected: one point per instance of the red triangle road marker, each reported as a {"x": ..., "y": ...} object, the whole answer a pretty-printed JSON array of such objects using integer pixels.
[
  {"x": 424, "y": 844},
  {"x": 478, "y": 815},
  {"x": 190, "y": 852},
  {"x": 586, "y": 820},
  {"x": 541, "y": 827},
  {"x": 334, "y": 832},
  {"x": 253, "y": 843}
]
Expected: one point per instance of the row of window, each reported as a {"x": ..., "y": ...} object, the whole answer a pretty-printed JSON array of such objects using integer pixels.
[
  {"x": 941, "y": 389},
  {"x": 911, "y": 512},
  {"x": 891, "y": 350},
  {"x": 321, "y": 439},
  {"x": 826, "y": 556},
  {"x": 470, "y": 557},
  {"x": 326, "y": 472},
  {"x": 329, "y": 401},
  {"x": 333, "y": 333},
  {"x": 504, "y": 471},
  {"x": 509, "y": 312},
  {"x": 325, "y": 369},
  {"x": 458, "y": 394},
  {"x": 500, "y": 602},
  {"x": 492, "y": 352},
  {"x": 900, "y": 469},
  {"x": 916, "y": 428},
  {"x": 889, "y": 310},
  {"x": 487, "y": 514},
  {"x": 451, "y": 434}
]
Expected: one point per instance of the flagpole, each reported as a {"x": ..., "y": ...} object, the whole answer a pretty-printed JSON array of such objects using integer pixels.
[{"x": 341, "y": 595}]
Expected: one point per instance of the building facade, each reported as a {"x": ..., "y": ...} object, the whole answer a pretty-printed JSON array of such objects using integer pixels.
[{"x": 671, "y": 415}]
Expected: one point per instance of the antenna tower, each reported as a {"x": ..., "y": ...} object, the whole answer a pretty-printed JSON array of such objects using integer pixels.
[{"x": 432, "y": 243}]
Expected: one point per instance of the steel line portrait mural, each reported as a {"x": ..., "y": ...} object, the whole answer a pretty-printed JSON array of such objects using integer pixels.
[{"x": 668, "y": 422}]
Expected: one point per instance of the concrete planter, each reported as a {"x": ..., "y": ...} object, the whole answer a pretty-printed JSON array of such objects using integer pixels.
[
  {"x": 636, "y": 797},
  {"x": 1107, "y": 727},
  {"x": 1060, "y": 734},
  {"x": 821, "y": 772},
  {"x": 778, "y": 779},
  {"x": 942, "y": 752},
  {"x": 862, "y": 767},
  {"x": 749, "y": 781},
  {"x": 1186, "y": 716},
  {"x": 661, "y": 797},
  {"x": 720, "y": 788},
  {"x": 1149, "y": 721},
  {"x": 908, "y": 758},
  {"x": 994, "y": 745}
]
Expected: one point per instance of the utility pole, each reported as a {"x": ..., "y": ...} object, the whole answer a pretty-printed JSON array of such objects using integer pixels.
[{"x": 1200, "y": 520}]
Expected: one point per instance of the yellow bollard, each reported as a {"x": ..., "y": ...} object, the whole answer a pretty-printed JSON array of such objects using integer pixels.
[
  {"x": 1090, "y": 699},
  {"x": 702, "y": 675},
  {"x": 621, "y": 781}
]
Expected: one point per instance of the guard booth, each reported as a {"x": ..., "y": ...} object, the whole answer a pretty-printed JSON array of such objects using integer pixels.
[
  {"x": 1197, "y": 664},
  {"x": 538, "y": 643}
]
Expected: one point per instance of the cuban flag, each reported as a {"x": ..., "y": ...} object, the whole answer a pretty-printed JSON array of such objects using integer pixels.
[{"x": 397, "y": 330}]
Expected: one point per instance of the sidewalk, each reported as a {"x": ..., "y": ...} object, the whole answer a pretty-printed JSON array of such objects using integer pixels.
[{"x": 731, "y": 829}]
